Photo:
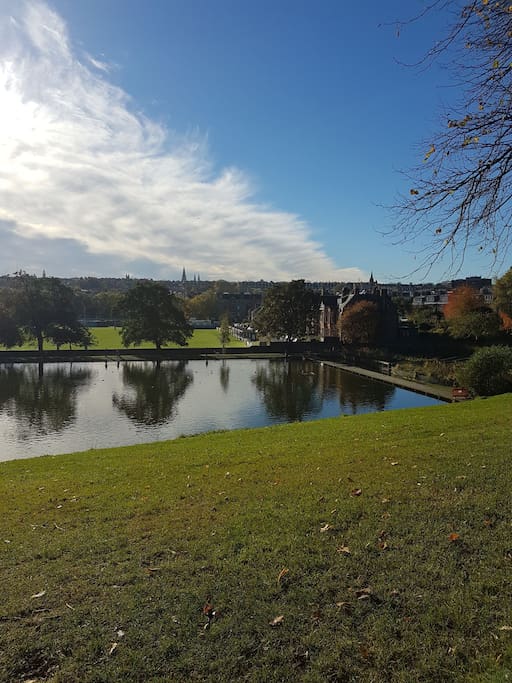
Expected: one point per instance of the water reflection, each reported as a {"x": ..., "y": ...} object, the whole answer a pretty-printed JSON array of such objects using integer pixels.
[
  {"x": 154, "y": 391},
  {"x": 357, "y": 393},
  {"x": 289, "y": 390},
  {"x": 40, "y": 398},
  {"x": 224, "y": 376}
]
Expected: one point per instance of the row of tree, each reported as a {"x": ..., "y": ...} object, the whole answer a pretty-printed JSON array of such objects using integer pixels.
[
  {"x": 45, "y": 310},
  {"x": 290, "y": 311}
]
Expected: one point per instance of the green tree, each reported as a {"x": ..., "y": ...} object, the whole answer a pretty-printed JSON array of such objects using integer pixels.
[
  {"x": 224, "y": 333},
  {"x": 475, "y": 324},
  {"x": 359, "y": 323},
  {"x": 150, "y": 313},
  {"x": 503, "y": 293},
  {"x": 204, "y": 306},
  {"x": 459, "y": 198},
  {"x": 289, "y": 310},
  {"x": 9, "y": 331},
  {"x": 41, "y": 304},
  {"x": 488, "y": 371},
  {"x": 72, "y": 334}
]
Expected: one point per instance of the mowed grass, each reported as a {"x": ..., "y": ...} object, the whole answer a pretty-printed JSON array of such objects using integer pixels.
[
  {"x": 110, "y": 338},
  {"x": 367, "y": 548}
]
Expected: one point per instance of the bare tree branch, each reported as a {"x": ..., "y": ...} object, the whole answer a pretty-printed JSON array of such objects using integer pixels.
[{"x": 460, "y": 195}]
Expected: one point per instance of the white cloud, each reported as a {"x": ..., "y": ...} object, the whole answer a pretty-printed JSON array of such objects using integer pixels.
[{"x": 79, "y": 168}]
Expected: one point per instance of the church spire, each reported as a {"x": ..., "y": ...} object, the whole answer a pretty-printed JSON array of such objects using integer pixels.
[{"x": 183, "y": 275}]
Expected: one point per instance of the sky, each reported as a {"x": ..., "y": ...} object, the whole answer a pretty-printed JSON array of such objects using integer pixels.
[{"x": 237, "y": 139}]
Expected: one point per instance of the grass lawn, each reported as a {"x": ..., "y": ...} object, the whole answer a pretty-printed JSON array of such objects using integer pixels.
[
  {"x": 368, "y": 548},
  {"x": 109, "y": 338}
]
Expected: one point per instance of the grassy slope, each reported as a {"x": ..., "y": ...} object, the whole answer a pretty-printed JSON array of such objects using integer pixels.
[
  {"x": 109, "y": 338},
  {"x": 135, "y": 540}
]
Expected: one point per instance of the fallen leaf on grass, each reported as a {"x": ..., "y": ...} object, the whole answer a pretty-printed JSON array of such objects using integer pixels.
[
  {"x": 343, "y": 605},
  {"x": 324, "y": 528},
  {"x": 277, "y": 620},
  {"x": 505, "y": 628},
  {"x": 395, "y": 463},
  {"x": 383, "y": 545},
  {"x": 453, "y": 537},
  {"x": 112, "y": 649},
  {"x": 344, "y": 549},
  {"x": 363, "y": 593},
  {"x": 284, "y": 571},
  {"x": 208, "y": 610},
  {"x": 356, "y": 492},
  {"x": 38, "y": 595},
  {"x": 365, "y": 652}
]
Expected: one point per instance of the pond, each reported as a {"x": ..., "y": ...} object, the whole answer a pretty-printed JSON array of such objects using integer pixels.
[{"x": 66, "y": 407}]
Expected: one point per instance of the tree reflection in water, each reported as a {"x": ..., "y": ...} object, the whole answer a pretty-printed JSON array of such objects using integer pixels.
[
  {"x": 41, "y": 399},
  {"x": 289, "y": 389},
  {"x": 154, "y": 391},
  {"x": 357, "y": 392},
  {"x": 224, "y": 376}
]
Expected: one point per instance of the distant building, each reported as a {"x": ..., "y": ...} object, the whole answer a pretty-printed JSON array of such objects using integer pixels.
[{"x": 332, "y": 307}]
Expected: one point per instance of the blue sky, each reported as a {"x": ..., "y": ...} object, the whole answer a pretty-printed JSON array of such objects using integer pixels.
[{"x": 239, "y": 139}]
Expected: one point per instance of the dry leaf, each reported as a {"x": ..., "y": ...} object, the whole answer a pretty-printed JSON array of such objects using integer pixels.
[
  {"x": 356, "y": 492},
  {"x": 343, "y": 605},
  {"x": 38, "y": 595},
  {"x": 277, "y": 620},
  {"x": 395, "y": 463},
  {"x": 453, "y": 537},
  {"x": 208, "y": 610},
  {"x": 385, "y": 500},
  {"x": 112, "y": 648},
  {"x": 284, "y": 571},
  {"x": 344, "y": 549},
  {"x": 505, "y": 628},
  {"x": 383, "y": 545},
  {"x": 365, "y": 652},
  {"x": 363, "y": 593},
  {"x": 324, "y": 528}
]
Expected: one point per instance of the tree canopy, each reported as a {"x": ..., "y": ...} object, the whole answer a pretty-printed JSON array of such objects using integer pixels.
[
  {"x": 459, "y": 198},
  {"x": 359, "y": 323},
  {"x": 468, "y": 316},
  {"x": 288, "y": 311},
  {"x": 44, "y": 308},
  {"x": 503, "y": 293},
  {"x": 150, "y": 313}
]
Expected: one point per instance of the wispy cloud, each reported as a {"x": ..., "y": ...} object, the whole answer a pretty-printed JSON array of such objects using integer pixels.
[{"x": 84, "y": 174}]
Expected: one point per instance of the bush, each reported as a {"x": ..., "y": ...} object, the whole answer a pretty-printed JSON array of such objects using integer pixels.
[{"x": 488, "y": 371}]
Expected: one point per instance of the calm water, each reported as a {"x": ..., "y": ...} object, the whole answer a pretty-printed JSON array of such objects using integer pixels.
[{"x": 71, "y": 407}]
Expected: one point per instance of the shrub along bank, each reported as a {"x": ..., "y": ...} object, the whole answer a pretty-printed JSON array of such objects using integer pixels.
[{"x": 367, "y": 548}]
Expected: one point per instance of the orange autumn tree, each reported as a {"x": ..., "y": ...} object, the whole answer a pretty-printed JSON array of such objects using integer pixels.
[
  {"x": 359, "y": 324},
  {"x": 462, "y": 301},
  {"x": 468, "y": 316}
]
